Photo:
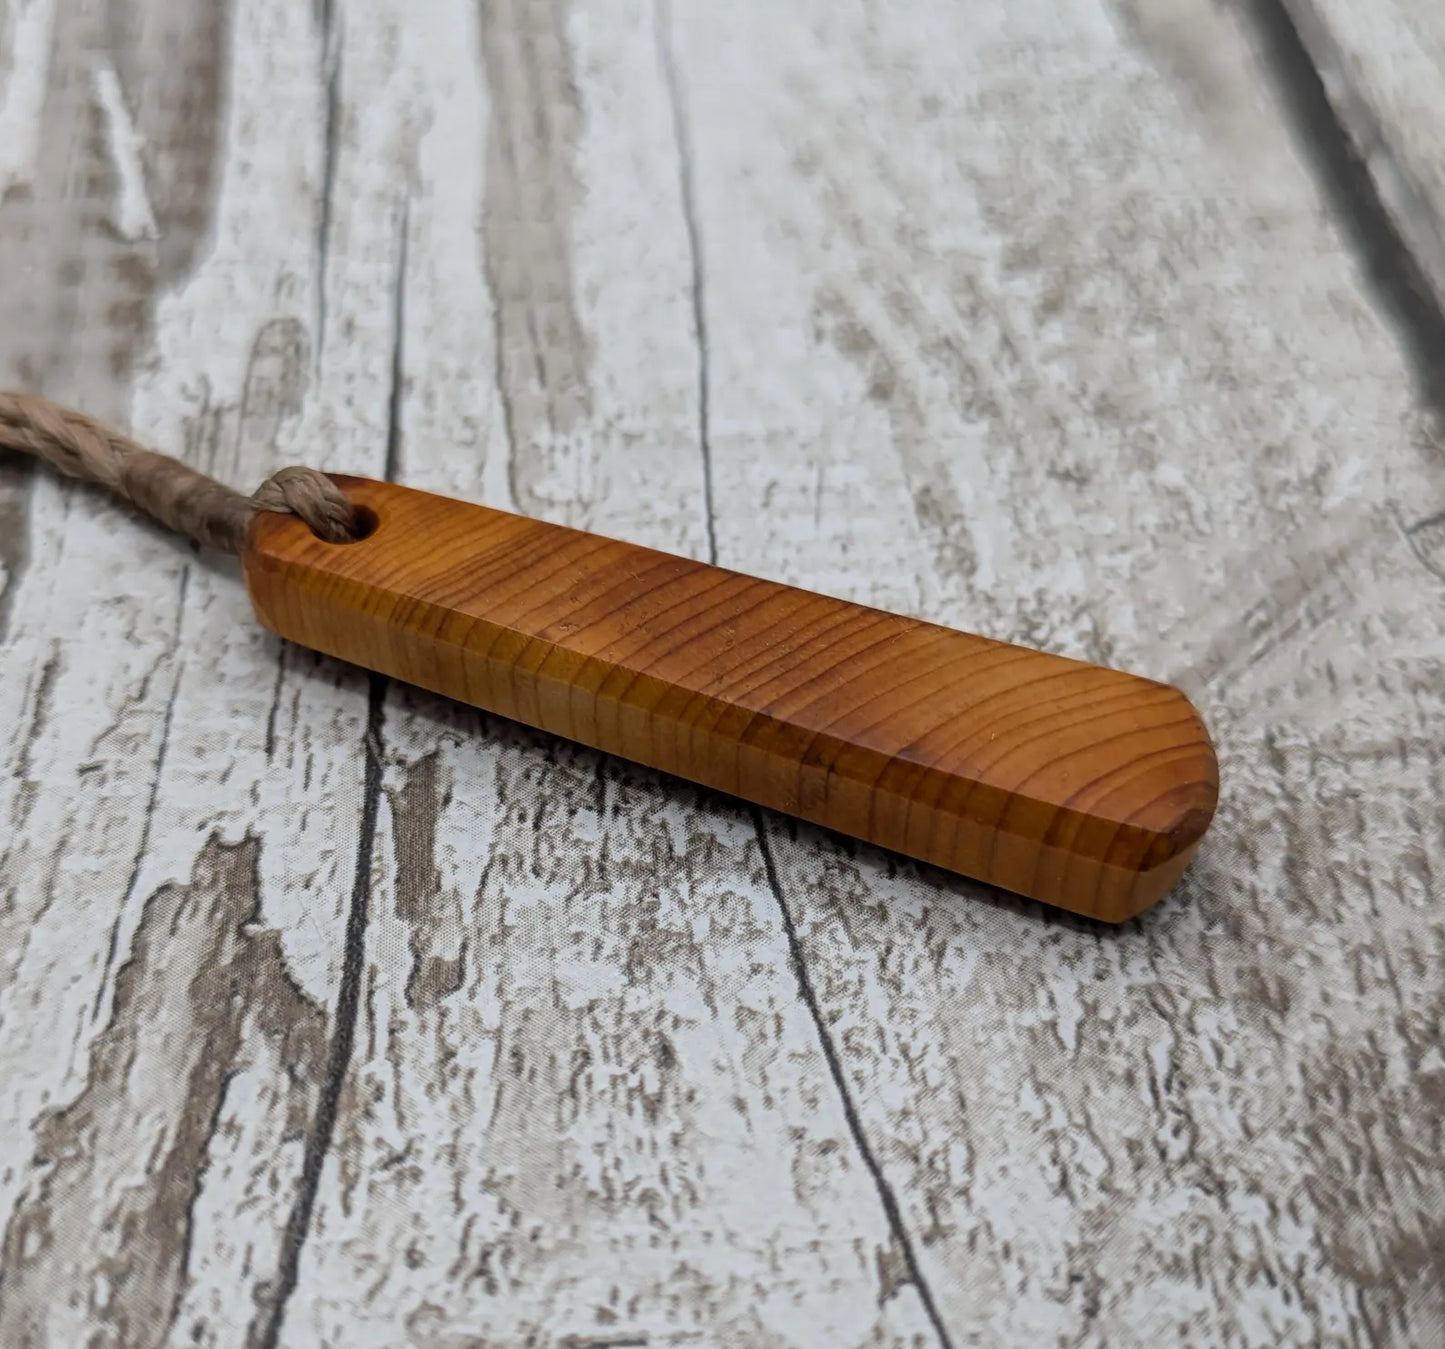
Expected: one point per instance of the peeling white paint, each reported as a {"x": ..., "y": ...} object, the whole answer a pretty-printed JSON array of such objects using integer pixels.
[
  {"x": 978, "y": 249},
  {"x": 134, "y": 220},
  {"x": 24, "y": 74}
]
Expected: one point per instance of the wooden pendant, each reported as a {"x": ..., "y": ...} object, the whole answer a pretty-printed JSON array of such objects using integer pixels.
[{"x": 1070, "y": 783}]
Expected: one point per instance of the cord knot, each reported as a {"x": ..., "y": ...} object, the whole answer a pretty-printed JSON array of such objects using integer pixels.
[
  {"x": 315, "y": 498},
  {"x": 166, "y": 489}
]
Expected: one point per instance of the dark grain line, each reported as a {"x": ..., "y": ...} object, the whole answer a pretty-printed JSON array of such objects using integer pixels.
[
  {"x": 398, "y": 349},
  {"x": 275, "y": 701},
  {"x": 348, "y": 1002},
  {"x": 187, "y": 1217},
  {"x": 44, "y": 694},
  {"x": 353, "y": 960},
  {"x": 1429, "y": 522},
  {"x": 808, "y": 994},
  {"x": 1426, "y": 539},
  {"x": 499, "y": 382},
  {"x": 14, "y": 537},
  {"x": 145, "y": 829},
  {"x": 331, "y": 58},
  {"x": 1395, "y": 277},
  {"x": 604, "y": 1342},
  {"x": 682, "y": 136}
]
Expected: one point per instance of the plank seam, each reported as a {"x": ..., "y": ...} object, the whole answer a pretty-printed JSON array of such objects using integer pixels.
[
  {"x": 332, "y": 55},
  {"x": 353, "y": 960},
  {"x": 348, "y": 1001},
  {"x": 892, "y": 1212},
  {"x": 682, "y": 138},
  {"x": 1398, "y": 187},
  {"x": 1396, "y": 276},
  {"x": 398, "y": 349}
]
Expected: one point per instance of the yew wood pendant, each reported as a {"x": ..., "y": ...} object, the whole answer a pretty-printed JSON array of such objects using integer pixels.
[{"x": 1077, "y": 785}]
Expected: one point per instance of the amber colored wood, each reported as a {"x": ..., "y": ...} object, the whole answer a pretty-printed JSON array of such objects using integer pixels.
[{"x": 1073, "y": 784}]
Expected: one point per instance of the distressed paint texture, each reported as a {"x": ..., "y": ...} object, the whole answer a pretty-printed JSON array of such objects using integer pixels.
[
  {"x": 332, "y": 1013},
  {"x": 1129, "y": 345}
]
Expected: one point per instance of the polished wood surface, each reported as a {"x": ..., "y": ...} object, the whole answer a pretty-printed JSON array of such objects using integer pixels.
[{"x": 1073, "y": 784}]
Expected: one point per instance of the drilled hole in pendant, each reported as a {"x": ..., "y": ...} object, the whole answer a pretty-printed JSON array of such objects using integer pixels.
[{"x": 367, "y": 521}]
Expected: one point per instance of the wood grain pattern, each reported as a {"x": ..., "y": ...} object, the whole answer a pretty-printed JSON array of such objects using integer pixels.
[
  {"x": 89, "y": 868},
  {"x": 1070, "y": 783},
  {"x": 333, "y": 1012}
]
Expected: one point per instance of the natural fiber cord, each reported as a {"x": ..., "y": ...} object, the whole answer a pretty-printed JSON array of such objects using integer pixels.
[{"x": 164, "y": 488}]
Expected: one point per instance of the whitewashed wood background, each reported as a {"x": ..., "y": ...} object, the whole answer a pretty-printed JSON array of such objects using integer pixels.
[{"x": 332, "y": 1013}]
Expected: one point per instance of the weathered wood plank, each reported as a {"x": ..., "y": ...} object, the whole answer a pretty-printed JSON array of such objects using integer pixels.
[
  {"x": 1036, "y": 302},
  {"x": 586, "y": 1104},
  {"x": 67, "y": 271},
  {"x": 1383, "y": 69},
  {"x": 330, "y": 1013},
  {"x": 171, "y": 945}
]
